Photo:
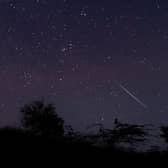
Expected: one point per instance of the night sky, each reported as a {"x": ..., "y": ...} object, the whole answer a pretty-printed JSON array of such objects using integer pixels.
[{"x": 94, "y": 59}]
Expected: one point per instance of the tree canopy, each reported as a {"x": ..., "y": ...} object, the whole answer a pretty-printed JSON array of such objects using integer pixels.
[{"x": 41, "y": 119}]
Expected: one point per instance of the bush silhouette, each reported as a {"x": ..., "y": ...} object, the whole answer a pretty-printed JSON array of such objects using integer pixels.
[
  {"x": 41, "y": 119},
  {"x": 129, "y": 133},
  {"x": 164, "y": 133},
  {"x": 123, "y": 133}
]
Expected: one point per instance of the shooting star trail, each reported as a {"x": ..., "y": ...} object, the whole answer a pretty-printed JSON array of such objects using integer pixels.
[{"x": 134, "y": 97}]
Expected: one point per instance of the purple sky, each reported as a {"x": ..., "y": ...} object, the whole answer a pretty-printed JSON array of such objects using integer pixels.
[{"x": 71, "y": 52}]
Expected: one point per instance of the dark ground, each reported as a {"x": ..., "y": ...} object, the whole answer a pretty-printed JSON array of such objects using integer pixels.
[{"x": 22, "y": 147}]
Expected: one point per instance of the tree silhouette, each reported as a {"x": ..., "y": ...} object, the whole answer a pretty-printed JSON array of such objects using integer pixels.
[
  {"x": 129, "y": 133},
  {"x": 41, "y": 119},
  {"x": 164, "y": 133},
  {"x": 123, "y": 133}
]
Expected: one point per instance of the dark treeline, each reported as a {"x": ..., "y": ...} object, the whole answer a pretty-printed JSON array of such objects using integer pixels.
[{"x": 43, "y": 130}]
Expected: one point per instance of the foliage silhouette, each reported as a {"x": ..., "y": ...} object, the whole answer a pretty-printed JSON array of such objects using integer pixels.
[
  {"x": 41, "y": 119},
  {"x": 122, "y": 133},
  {"x": 129, "y": 133},
  {"x": 164, "y": 133},
  {"x": 42, "y": 127}
]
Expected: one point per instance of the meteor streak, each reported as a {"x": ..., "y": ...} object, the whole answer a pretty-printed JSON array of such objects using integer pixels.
[{"x": 134, "y": 97}]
